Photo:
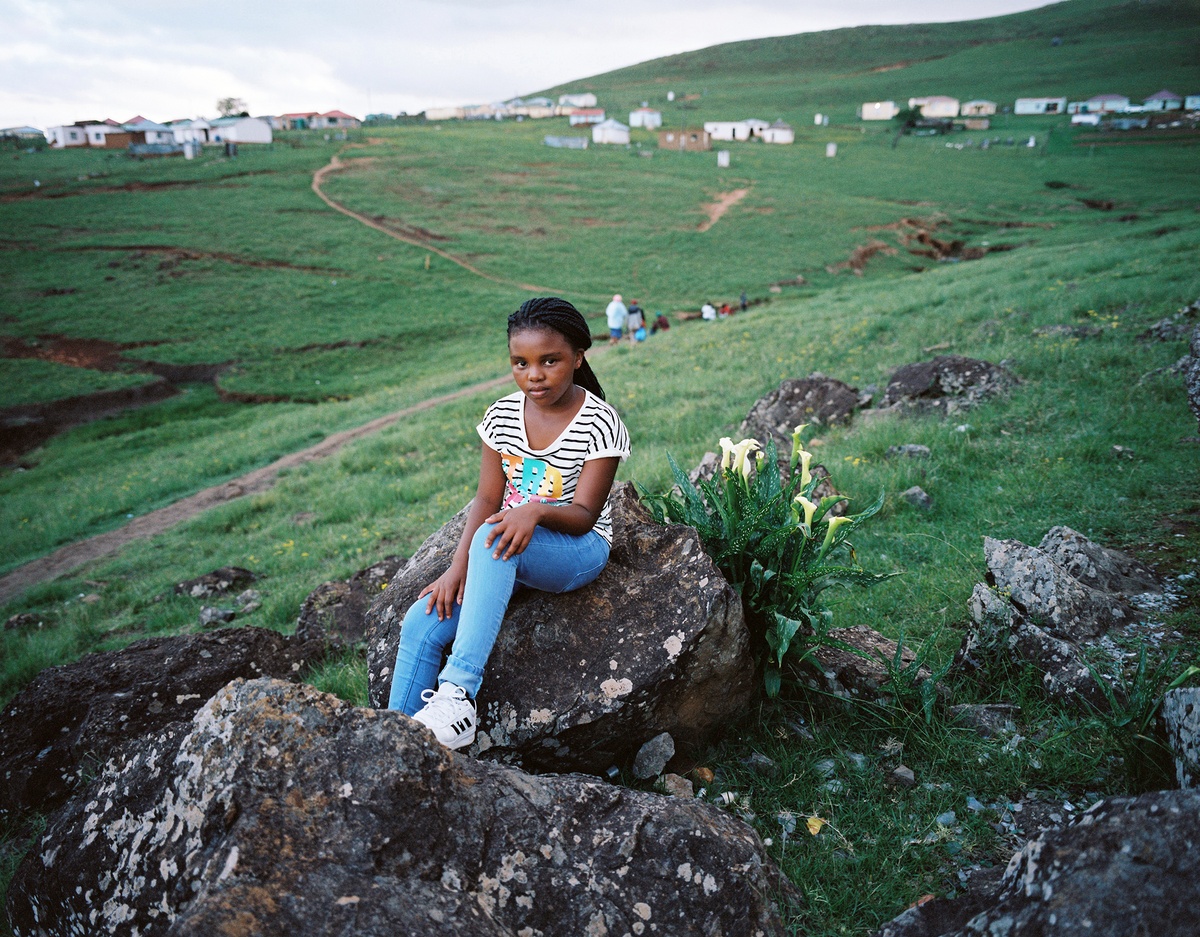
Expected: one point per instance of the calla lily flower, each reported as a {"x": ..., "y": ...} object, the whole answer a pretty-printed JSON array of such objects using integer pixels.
[
  {"x": 809, "y": 509},
  {"x": 805, "y": 474},
  {"x": 834, "y": 524},
  {"x": 741, "y": 456},
  {"x": 726, "y": 453},
  {"x": 797, "y": 445}
]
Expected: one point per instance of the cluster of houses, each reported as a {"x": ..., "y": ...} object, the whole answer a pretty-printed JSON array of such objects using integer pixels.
[
  {"x": 141, "y": 135},
  {"x": 1082, "y": 112}
]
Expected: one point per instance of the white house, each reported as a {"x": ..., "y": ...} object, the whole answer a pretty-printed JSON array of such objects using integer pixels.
[
  {"x": 191, "y": 131},
  {"x": 585, "y": 99},
  {"x": 646, "y": 117},
  {"x": 582, "y": 116},
  {"x": 727, "y": 129},
  {"x": 239, "y": 130},
  {"x": 444, "y": 113},
  {"x": 479, "y": 112},
  {"x": 1029, "y": 106},
  {"x": 1085, "y": 119},
  {"x": 152, "y": 132},
  {"x": 1163, "y": 101},
  {"x": 778, "y": 132},
  {"x": 756, "y": 126},
  {"x": 334, "y": 120},
  {"x": 935, "y": 105},
  {"x": 978, "y": 108},
  {"x": 611, "y": 131},
  {"x": 69, "y": 135},
  {"x": 1192, "y": 102},
  {"x": 1107, "y": 104},
  {"x": 878, "y": 110},
  {"x": 97, "y": 134}
]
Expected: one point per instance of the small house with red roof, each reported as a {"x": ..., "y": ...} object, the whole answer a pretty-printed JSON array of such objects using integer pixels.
[
  {"x": 298, "y": 120},
  {"x": 586, "y": 115},
  {"x": 334, "y": 120}
]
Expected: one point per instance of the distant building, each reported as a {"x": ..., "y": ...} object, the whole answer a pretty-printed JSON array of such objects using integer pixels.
[
  {"x": 566, "y": 143},
  {"x": 147, "y": 131},
  {"x": 1030, "y": 106},
  {"x": 779, "y": 132},
  {"x": 583, "y": 116},
  {"x": 479, "y": 112},
  {"x": 335, "y": 120},
  {"x": 1107, "y": 104},
  {"x": 240, "y": 130},
  {"x": 300, "y": 120},
  {"x": 1085, "y": 119},
  {"x": 1163, "y": 101},
  {"x": 878, "y": 110},
  {"x": 976, "y": 123},
  {"x": 191, "y": 131},
  {"x": 584, "y": 99},
  {"x": 690, "y": 140},
  {"x": 728, "y": 129},
  {"x": 66, "y": 135},
  {"x": 443, "y": 113},
  {"x": 1192, "y": 102},
  {"x": 978, "y": 108},
  {"x": 646, "y": 117},
  {"x": 756, "y": 126},
  {"x": 29, "y": 134},
  {"x": 610, "y": 131},
  {"x": 935, "y": 105}
]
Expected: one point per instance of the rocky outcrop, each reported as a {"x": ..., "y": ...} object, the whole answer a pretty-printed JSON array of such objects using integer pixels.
[
  {"x": 1096, "y": 566},
  {"x": 815, "y": 399},
  {"x": 854, "y": 666},
  {"x": 580, "y": 681},
  {"x": 281, "y": 810},
  {"x": 1191, "y": 373},
  {"x": 1046, "y": 594},
  {"x": 218, "y": 582},
  {"x": 1129, "y": 865},
  {"x": 948, "y": 383},
  {"x": 337, "y": 611},
  {"x": 1181, "y": 717},
  {"x": 69, "y": 720}
]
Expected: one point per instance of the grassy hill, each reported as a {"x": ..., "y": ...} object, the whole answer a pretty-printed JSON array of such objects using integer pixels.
[
  {"x": 325, "y": 323},
  {"x": 1132, "y": 47}
]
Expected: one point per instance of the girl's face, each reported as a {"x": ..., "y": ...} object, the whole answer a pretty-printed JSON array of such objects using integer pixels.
[{"x": 543, "y": 365}]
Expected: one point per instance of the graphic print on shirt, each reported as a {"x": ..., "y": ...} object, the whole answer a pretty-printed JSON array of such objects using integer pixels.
[{"x": 530, "y": 479}]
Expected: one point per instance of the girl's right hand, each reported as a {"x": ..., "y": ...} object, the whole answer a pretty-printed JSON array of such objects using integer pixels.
[{"x": 445, "y": 592}]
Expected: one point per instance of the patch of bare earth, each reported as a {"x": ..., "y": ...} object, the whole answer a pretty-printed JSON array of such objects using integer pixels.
[
  {"x": 717, "y": 208},
  {"x": 916, "y": 235}
]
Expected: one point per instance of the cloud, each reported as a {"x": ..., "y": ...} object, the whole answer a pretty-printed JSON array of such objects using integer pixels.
[{"x": 64, "y": 60}]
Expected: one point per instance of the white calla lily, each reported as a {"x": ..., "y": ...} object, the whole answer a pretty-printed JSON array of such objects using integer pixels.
[{"x": 809, "y": 509}]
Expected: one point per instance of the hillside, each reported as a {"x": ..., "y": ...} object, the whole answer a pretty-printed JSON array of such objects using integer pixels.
[{"x": 1134, "y": 47}]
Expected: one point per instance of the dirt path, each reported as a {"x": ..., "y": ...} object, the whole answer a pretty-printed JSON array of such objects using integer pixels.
[
  {"x": 724, "y": 202},
  {"x": 336, "y": 165},
  {"x": 74, "y": 555}
]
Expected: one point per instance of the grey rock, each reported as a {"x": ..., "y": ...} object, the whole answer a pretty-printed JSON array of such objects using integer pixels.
[
  {"x": 281, "y": 810},
  {"x": 760, "y": 764},
  {"x": 815, "y": 399},
  {"x": 1097, "y": 566},
  {"x": 987, "y": 719},
  {"x": 218, "y": 582},
  {"x": 918, "y": 498},
  {"x": 1047, "y": 594},
  {"x": 1173, "y": 328},
  {"x": 677, "y": 786},
  {"x": 862, "y": 674},
  {"x": 1191, "y": 373},
  {"x": 908, "y": 450},
  {"x": 337, "y": 611},
  {"x": 653, "y": 756},
  {"x": 1065, "y": 674},
  {"x": 710, "y": 464},
  {"x": 1181, "y": 716},
  {"x": 947, "y": 383},
  {"x": 211, "y": 615},
  {"x": 1129, "y": 865},
  {"x": 904, "y": 775},
  {"x": 577, "y": 681},
  {"x": 24, "y": 621},
  {"x": 70, "y": 719}
]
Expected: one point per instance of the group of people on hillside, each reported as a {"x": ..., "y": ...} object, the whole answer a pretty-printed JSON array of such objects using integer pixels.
[
  {"x": 710, "y": 313},
  {"x": 630, "y": 321}
]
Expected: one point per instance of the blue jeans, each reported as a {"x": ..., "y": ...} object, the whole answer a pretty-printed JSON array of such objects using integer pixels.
[{"x": 552, "y": 562}]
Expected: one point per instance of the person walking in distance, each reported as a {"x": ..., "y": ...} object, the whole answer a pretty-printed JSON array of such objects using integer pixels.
[
  {"x": 616, "y": 314},
  {"x": 636, "y": 323},
  {"x": 540, "y": 517}
]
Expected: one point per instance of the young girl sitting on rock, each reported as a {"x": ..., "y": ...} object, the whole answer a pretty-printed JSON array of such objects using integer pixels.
[{"x": 540, "y": 517}]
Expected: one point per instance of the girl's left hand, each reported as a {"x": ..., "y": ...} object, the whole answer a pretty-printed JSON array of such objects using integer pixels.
[{"x": 512, "y": 531}]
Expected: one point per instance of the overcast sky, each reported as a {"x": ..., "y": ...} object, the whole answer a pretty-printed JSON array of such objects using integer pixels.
[{"x": 68, "y": 60}]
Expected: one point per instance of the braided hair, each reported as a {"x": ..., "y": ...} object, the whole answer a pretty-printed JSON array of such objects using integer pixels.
[{"x": 558, "y": 315}]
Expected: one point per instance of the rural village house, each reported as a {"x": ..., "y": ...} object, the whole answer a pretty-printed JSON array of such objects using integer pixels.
[
  {"x": 1040, "y": 106},
  {"x": 1107, "y": 103},
  {"x": 1192, "y": 102},
  {"x": 935, "y": 105},
  {"x": 1163, "y": 101},
  {"x": 646, "y": 117},
  {"x": 878, "y": 110},
  {"x": 586, "y": 115},
  {"x": 240, "y": 130},
  {"x": 779, "y": 132},
  {"x": 978, "y": 108},
  {"x": 611, "y": 131},
  {"x": 689, "y": 140},
  {"x": 586, "y": 99}
]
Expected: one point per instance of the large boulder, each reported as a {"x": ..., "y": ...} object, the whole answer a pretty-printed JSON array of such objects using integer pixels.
[
  {"x": 855, "y": 663},
  {"x": 580, "y": 681},
  {"x": 71, "y": 719},
  {"x": 1097, "y": 566},
  {"x": 1129, "y": 865},
  {"x": 815, "y": 399},
  {"x": 1049, "y": 596},
  {"x": 1181, "y": 718},
  {"x": 337, "y": 611},
  {"x": 1191, "y": 373},
  {"x": 948, "y": 383},
  {"x": 281, "y": 810}
]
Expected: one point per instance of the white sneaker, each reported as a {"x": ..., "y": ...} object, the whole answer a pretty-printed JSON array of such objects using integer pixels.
[{"x": 450, "y": 714}]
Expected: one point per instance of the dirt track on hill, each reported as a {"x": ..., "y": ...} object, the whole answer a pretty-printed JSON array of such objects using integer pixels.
[
  {"x": 722, "y": 204},
  {"x": 73, "y": 555}
]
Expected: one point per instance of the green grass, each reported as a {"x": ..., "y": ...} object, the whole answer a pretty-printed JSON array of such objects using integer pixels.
[
  {"x": 28, "y": 380},
  {"x": 290, "y": 293}
]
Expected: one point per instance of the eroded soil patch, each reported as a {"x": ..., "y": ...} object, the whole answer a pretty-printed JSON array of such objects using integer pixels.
[
  {"x": 916, "y": 235},
  {"x": 187, "y": 253},
  {"x": 723, "y": 202}
]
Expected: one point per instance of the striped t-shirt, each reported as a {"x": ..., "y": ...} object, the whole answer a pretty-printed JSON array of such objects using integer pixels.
[{"x": 550, "y": 475}]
